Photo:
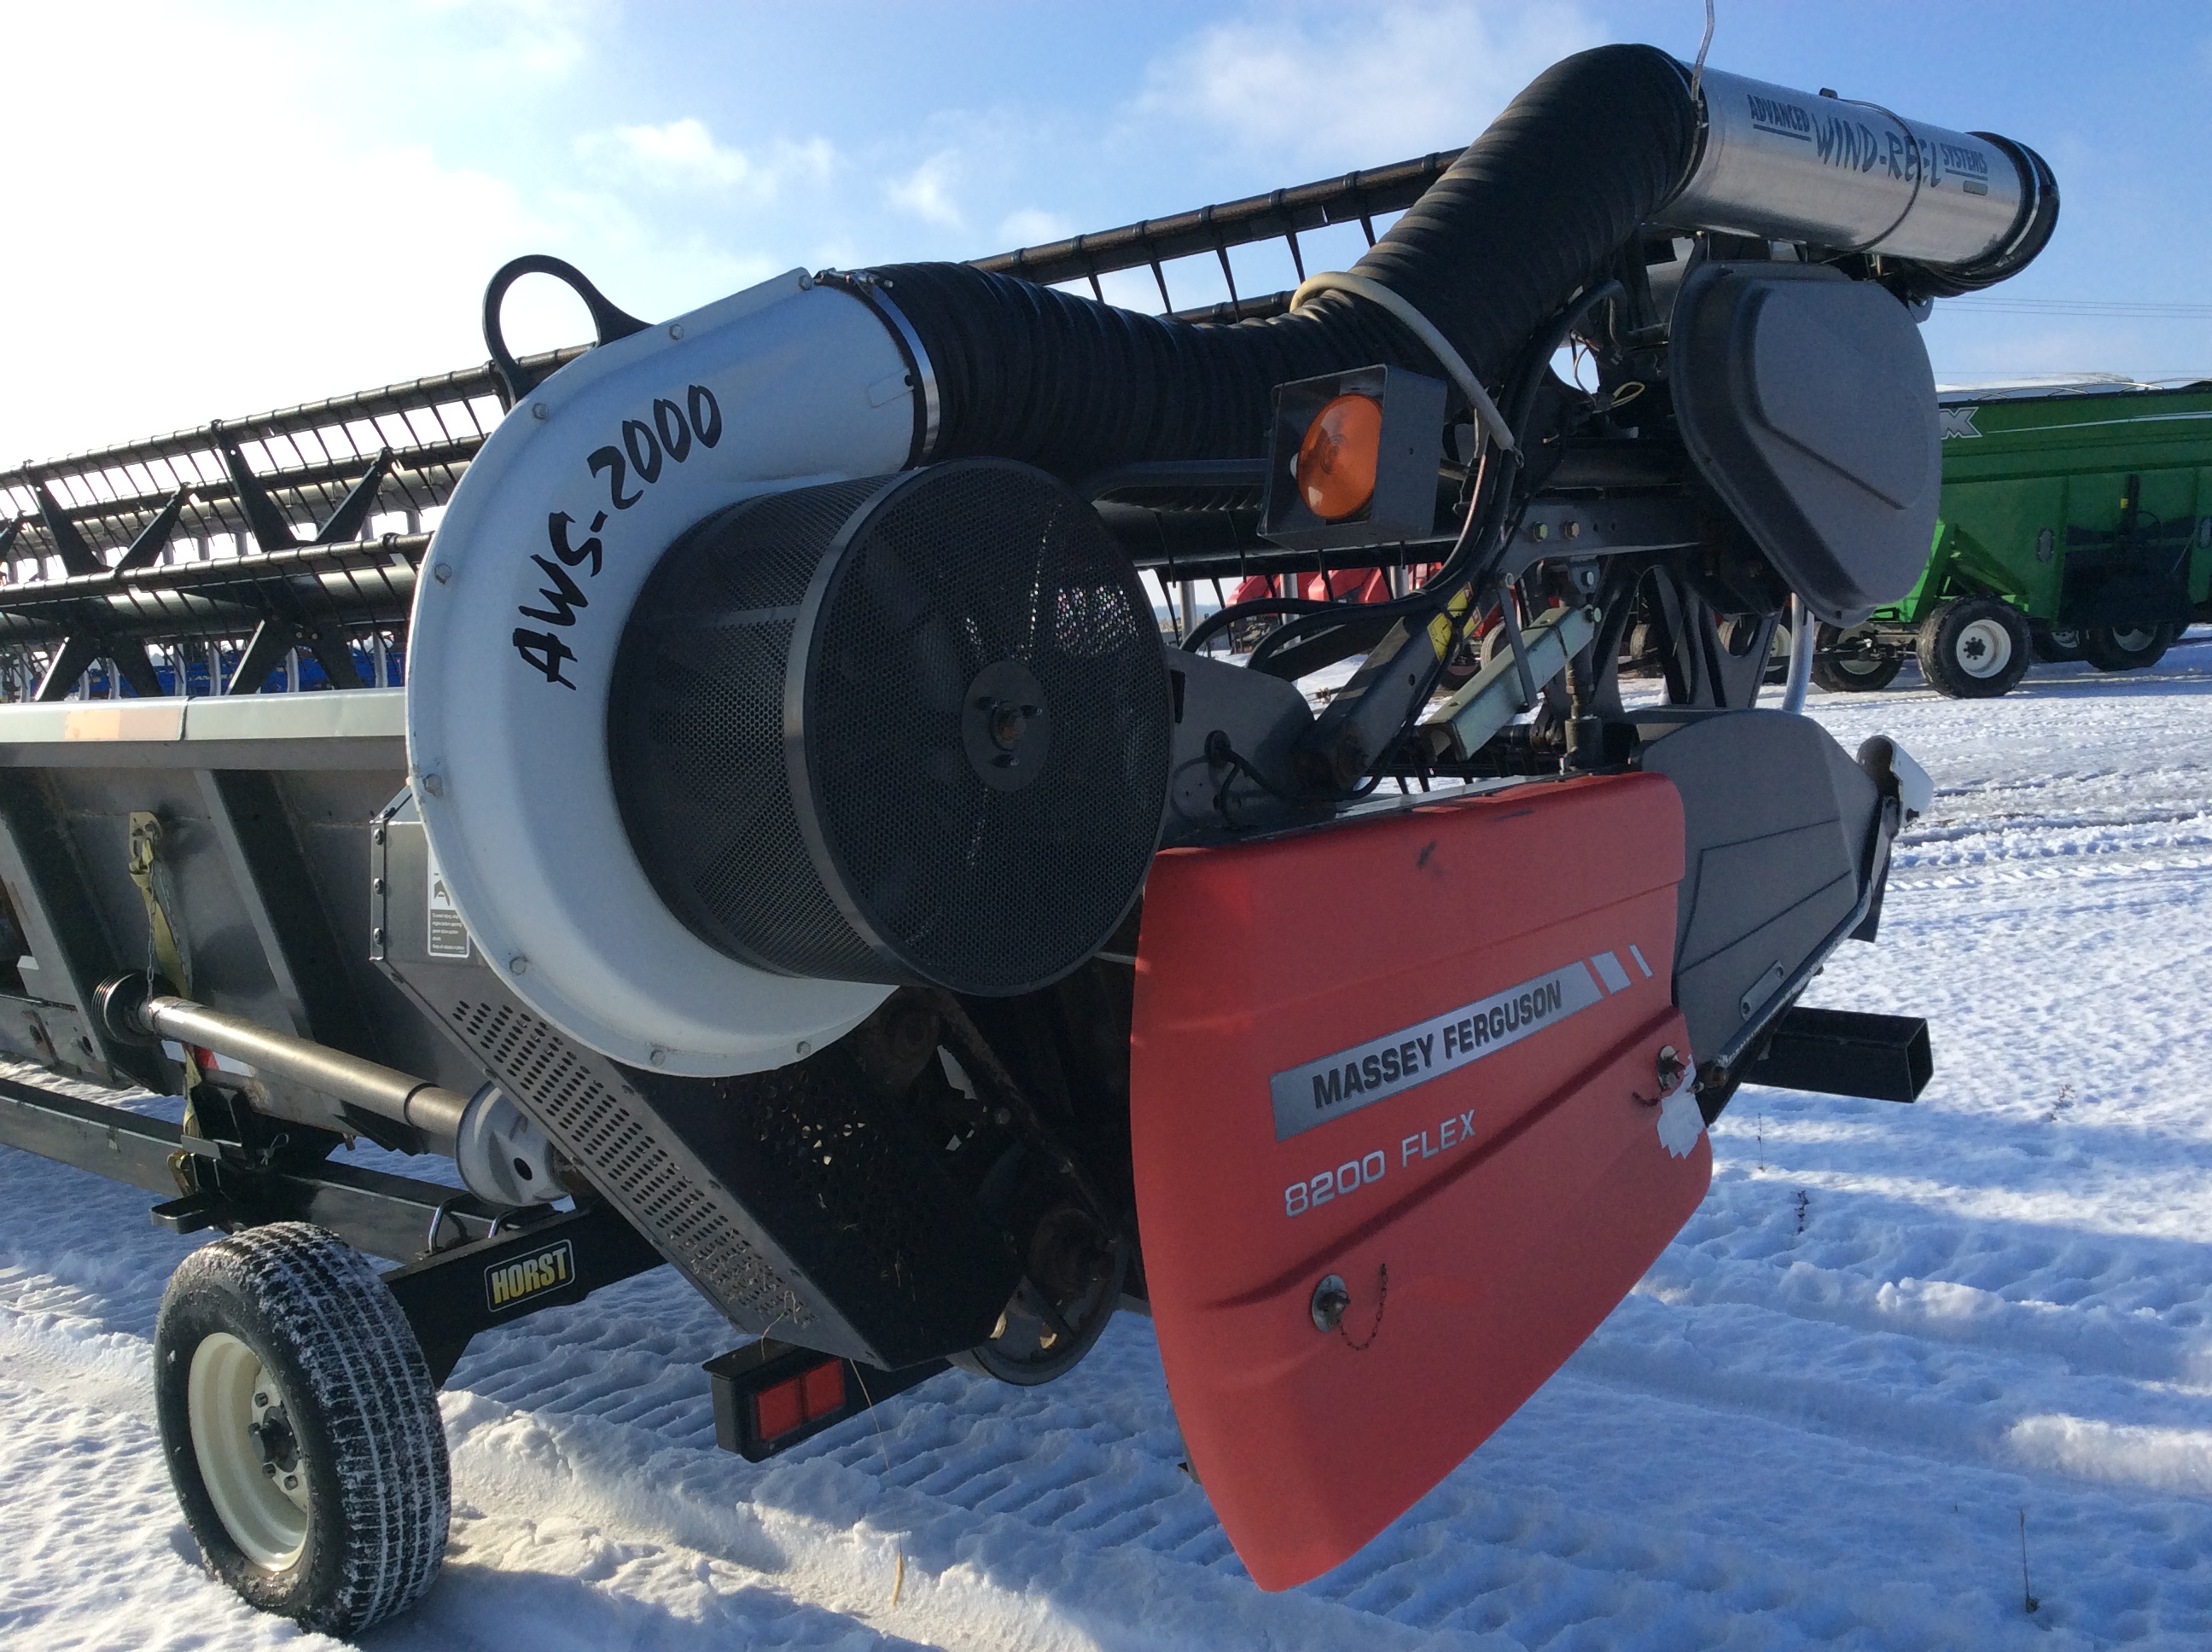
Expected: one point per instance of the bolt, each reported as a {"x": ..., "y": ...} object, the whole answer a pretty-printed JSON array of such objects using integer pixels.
[
  {"x": 1004, "y": 1115},
  {"x": 658, "y": 1056},
  {"x": 1542, "y": 531},
  {"x": 1668, "y": 1068},
  {"x": 376, "y": 884},
  {"x": 269, "y": 1469},
  {"x": 291, "y": 1482},
  {"x": 434, "y": 785},
  {"x": 538, "y": 409},
  {"x": 377, "y": 935},
  {"x": 805, "y": 1048},
  {"x": 378, "y": 835},
  {"x": 260, "y": 1399},
  {"x": 1572, "y": 531},
  {"x": 805, "y": 284},
  {"x": 518, "y": 965},
  {"x": 675, "y": 330},
  {"x": 443, "y": 572},
  {"x": 1330, "y": 1299}
]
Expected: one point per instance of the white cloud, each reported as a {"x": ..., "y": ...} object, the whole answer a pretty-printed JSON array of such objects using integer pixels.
[
  {"x": 681, "y": 155},
  {"x": 517, "y": 40},
  {"x": 1030, "y": 226},
  {"x": 347, "y": 253},
  {"x": 926, "y": 191},
  {"x": 1339, "y": 87},
  {"x": 342, "y": 259}
]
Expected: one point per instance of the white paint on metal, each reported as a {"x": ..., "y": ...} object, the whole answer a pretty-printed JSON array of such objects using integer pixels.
[{"x": 527, "y": 831}]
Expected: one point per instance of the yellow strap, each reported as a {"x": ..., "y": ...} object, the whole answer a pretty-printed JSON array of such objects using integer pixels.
[
  {"x": 1445, "y": 626},
  {"x": 145, "y": 851}
]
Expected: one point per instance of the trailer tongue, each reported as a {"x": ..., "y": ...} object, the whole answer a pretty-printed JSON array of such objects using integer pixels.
[{"x": 807, "y": 861}]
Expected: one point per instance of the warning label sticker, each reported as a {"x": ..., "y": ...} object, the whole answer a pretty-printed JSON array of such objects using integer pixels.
[{"x": 447, "y": 935}]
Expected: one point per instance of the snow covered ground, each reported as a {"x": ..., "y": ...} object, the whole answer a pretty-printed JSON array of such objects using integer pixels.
[{"x": 1894, "y": 1343}]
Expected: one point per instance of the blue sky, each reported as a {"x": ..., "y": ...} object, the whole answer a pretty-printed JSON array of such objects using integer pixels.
[{"x": 231, "y": 205}]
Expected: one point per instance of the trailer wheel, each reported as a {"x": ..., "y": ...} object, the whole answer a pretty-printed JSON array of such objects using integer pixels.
[
  {"x": 1853, "y": 662},
  {"x": 1973, "y": 648},
  {"x": 2055, "y": 645},
  {"x": 2127, "y": 647},
  {"x": 301, "y": 1427}
]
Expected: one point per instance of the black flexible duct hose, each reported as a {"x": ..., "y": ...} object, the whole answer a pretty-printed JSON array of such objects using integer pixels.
[{"x": 1529, "y": 214}]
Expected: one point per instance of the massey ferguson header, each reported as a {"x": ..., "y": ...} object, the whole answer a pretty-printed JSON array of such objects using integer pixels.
[{"x": 807, "y": 864}]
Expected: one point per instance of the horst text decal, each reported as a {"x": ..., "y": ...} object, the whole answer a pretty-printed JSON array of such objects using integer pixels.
[
  {"x": 620, "y": 471},
  {"x": 510, "y": 1285}
]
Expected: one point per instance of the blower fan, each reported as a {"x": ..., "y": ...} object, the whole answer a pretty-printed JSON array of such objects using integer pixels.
[{"x": 903, "y": 730}]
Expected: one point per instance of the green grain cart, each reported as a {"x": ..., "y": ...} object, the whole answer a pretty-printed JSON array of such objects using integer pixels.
[{"x": 2076, "y": 525}]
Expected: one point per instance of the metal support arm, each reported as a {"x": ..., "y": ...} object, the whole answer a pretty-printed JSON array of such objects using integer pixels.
[{"x": 133, "y": 1013}]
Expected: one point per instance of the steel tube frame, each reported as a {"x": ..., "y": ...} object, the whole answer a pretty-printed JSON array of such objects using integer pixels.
[{"x": 434, "y": 1112}]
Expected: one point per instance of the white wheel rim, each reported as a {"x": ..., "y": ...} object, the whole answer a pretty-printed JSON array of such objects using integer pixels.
[
  {"x": 1984, "y": 649},
  {"x": 2134, "y": 642},
  {"x": 229, "y": 1397}
]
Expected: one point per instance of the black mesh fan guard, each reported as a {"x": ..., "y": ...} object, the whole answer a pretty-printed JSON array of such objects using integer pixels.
[{"x": 894, "y": 731}]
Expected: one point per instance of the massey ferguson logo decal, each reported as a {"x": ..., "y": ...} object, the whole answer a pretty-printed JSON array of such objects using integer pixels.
[
  {"x": 512, "y": 1283},
  {"x": 1350, "y": 1079}
]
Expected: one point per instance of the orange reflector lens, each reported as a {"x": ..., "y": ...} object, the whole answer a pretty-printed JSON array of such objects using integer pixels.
[
  {"x": 796, "y": 1400},
  {"x": 825, "y": 1389},
  {"x": 779, "y": 1410},
  {"x": 1337, "y": 459}
]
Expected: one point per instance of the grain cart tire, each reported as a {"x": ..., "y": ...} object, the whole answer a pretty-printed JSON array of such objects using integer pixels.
[
  {"x": 1844, "y": 663},
  {"x": 2055, "y": 645},
  {"x": 301, "y": 1428},
  {"x": 2127, "y": 647},
  {"x": 1973, "y": 648}
]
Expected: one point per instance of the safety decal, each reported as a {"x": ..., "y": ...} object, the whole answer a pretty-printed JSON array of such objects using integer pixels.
[{"x": 446, "y": 935}]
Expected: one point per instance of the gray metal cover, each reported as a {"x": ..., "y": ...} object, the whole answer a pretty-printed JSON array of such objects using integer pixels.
[{"x": 1806, "y": 400}]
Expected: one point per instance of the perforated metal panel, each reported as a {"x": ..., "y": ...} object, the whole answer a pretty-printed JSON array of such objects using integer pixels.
[
  {"x": 801, "y": 1202},
  {"x": 903, "y": 730},
  {"x": 611, "y": 1137}
]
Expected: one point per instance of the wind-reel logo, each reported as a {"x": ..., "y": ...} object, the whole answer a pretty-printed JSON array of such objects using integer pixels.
[{"x": 511, "y": 1283}]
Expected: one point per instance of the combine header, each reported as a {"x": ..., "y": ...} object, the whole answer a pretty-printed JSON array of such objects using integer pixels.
[{"x": 796, "y": 856}]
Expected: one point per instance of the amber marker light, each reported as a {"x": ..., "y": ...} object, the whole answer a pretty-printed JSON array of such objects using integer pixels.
[{"x": 1337, "y": 459}]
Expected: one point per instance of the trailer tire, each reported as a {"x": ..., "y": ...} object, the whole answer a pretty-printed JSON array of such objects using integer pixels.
[
  {"x": 1973, "y": 648},
  {"x": 2127, "y": 647},
  {"x": 301, "y": 1428},
  {"x": 1844, "y": 667},
  {"x": 2055, "y": 645}
]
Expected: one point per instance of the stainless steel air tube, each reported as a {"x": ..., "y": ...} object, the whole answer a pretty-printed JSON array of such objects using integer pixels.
[{"x": 1853, "y": 177}]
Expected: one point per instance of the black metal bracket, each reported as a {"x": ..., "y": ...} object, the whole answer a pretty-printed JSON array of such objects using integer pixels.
[
  {"x": 352, "y": 510},
  {"x": 1883, "y": 1058},
  {"x": 146, "y": 548},
  {"x": 608, "y": 323},
  {"x": 77, "y": 556},
  {"x": 450, "y": 1296}
]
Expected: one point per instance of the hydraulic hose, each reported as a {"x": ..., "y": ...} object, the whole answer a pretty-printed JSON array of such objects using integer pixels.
[{"x": 1532, "y": 211}]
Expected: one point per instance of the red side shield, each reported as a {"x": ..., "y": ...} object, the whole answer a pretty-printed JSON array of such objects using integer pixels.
[{"x": 1417, "y": 1058}]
